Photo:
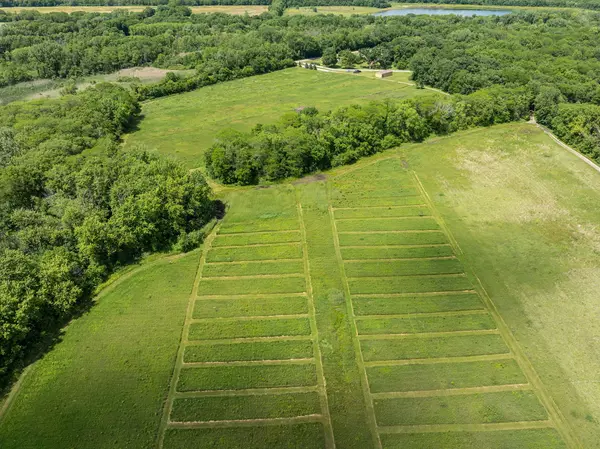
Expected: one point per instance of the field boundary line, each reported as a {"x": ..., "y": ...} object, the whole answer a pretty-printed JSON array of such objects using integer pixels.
[
  {"x": 246, "y": 392},
  {"x": 329, "y": 435},
  {"x": 442, "y": 360},
  {"x": 399, "y": 206},
  {"x": 434, "y": 275},
  {"x": 401, "y": 217},
  {"x": 244, "y": 422},
  {"x": 430, "y": 245},
  {"x": 307, "y": 361},
  {"x": 581, "y": 156},
  {"x": 405, "y": 231},
  {"x": 418, "y": 335},
  {"x": 452, "y": 391},
  {"x": 168, "y": 405},
  {"x": 249, "y": 339},
  {"x": 370, "y": 408},
  {"x": 555, "y": 414},
  {"x": 237, "y": 262},
  {"x": 400, "y": 259},
  {"x": 482, "y": 427},
  {"x": 255, "y": 245},
  {"x": 252, "y": 318},
  {"x": 250, "y": 296},
  {"x": 14, "y": 392},
  {"x": 423, "y": 314}
]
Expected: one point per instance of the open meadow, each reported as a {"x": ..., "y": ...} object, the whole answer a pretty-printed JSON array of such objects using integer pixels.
[
  {"x": 183, "y": 126},
  {"x": 384, "y": 305}
]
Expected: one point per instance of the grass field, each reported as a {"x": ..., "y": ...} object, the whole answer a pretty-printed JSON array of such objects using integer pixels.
[
  {"x": 184, "y": 125},
  {"x": 428, "y": 297}
]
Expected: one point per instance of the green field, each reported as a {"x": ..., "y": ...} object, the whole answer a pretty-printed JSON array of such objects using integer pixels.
[
  {"x": 428, "y": 297},
  {"x": 184, "y": 125}
]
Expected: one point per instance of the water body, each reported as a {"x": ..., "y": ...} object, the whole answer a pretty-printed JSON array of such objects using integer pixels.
[{"x": 444, "y": 11}]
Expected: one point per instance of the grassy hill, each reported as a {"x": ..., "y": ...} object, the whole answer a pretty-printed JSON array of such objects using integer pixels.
[
  {"x": 438, "y": 295},
  {"x": 184, "y": 125}
]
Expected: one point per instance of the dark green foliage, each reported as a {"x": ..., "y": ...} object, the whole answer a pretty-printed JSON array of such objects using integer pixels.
[
  {"x": 308, "y": 141},
  {"x": 68, "y": 220}
]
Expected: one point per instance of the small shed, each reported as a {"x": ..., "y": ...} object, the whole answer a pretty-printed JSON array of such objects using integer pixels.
[{"x": 384, "y": 73}]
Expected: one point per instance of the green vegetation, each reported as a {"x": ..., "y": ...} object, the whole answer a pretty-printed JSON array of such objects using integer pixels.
[
  {"x": 418, "y": 324},
  {"x": 262, "y": 350},
  {"x": 396, "y": 252},
  {"x": 212, "y": 330},
  {"x": 252, "y": 286},
  {"x": 107, "y": 378},
  {"x": 389, "y": 224},
  {"x": 253, "y": 268},
  {"x": 417, "y": 304},
  {"x": 256, "y": 239},
  {"x": 227, "y": 308},
  {"x": 392, "y": 239},
  {"x": 409, "y": 284},
  {"x": 385, "y": 267},
  {"x": 253, "y": 253}
]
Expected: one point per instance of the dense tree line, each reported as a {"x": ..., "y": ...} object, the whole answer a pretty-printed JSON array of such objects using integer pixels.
[
  {"x": 304, "y": 142},
  {"x": 289, "y": 3},
  {"x": 74, "y": 207}
]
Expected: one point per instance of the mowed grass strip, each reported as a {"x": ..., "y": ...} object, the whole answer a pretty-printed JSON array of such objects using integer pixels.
[
  {"x": 253, "y": 268},
  {"x": 497, "y": 439},
  {"x": 382, "y": 212},
  {"x": 383, "y": 239},
  {"x": 398, "y": 252},
  {"x": 417, "y": 304},
  {"x": 255, "y": 239},
  {"x": 443, "y": 376},
  {"x": 244, "y": 307},
  {"x": 388, "y": 224},
  {"x": 296, "y": 436},
  {"x": 271, "y": 327},
  {"x": 244, "y": 377},
  {"x": 377, "y": 202},
  {"x": 259, "y": 226},
  {"x": 505, "y": 406},
  {"x": 248, "y": 253},
  {"x": 223, "y": 408},
  {"x": 262, "y": 350},
  {"x": 433, "y": 347},
  {"x": 392, "y": 190},
  {"x": 419, "y": 324},
  {"x": 402, "y": 267},
  {"x": 408, "y": 284},
  {"x": 251, "y": 286}
]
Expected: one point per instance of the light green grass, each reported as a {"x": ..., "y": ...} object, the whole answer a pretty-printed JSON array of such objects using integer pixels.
[
  {"x": 419, "y": 324},
  {"x": 251, "y": 286},
  {"x": 184, "y": 125},
  {"x": 408, "y": 211},
  {"x": 218, "y": 408},
  {"x": 259, "y": 226},
  {"x": 416, "y": 304},
  {"x": 254, "y": 239},
  {"x": 263, "y": 350},
  {"x": 227, "y": 308},
  {"x": 272, "y": 327},
  {"x": 433, "y": 347},
  {"x": 279, "y": 251},
  {"x": 510, "y": 406},
  {"x": 298, "y": 436},
  {"x": 355, "y": 202},
  {"x": 403, "y": 267},
  {"x": 405, "y": 238},
  {"x": 523, "y": 439},
  {"x": 397, "y": 252},
  {"x": 104, "y": 384},
  {"x": 441, "y": 376},
  {"x": 243, "y": 377},
  {"x": 253, "y": 268},
  {"x": 388, "y": 224},
  {"x": 408, "y": 284}
]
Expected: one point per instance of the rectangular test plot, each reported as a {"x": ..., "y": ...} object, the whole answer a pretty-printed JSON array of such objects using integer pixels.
[
  {"x": 416, "y": 304},
  {"x": 251, "y": 286},
  {"x": 387, "y": 224},
  {"x": 293, "y": 436},
  {"x": 261, "y": 350},
  {"x": 285, "y": 224},
  {"x": 433, "y": 347},
  {"x": 255, "y": 239},
  {"x": 253, "y": 268},
  {"x": 444, "y": 376},
  {"x": 245, "y": 377},
  {"x": 419, "y": 324},
  {"x": 506, "y": 406},
  {"x": 271, "y": 252},
  {"x": 224, "y": 408},
  {"x": 271, "y": 327},
  {"x": 393, "y": 239},
  {"x": 359, "y": 202},
  {"x": 396, "y": 252},
  {"x": 244, "y": 307},
  {"x": 381, "y": 212},
  {"x": 402, "y": 267},
  {"x": 408, "y": 284}
]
